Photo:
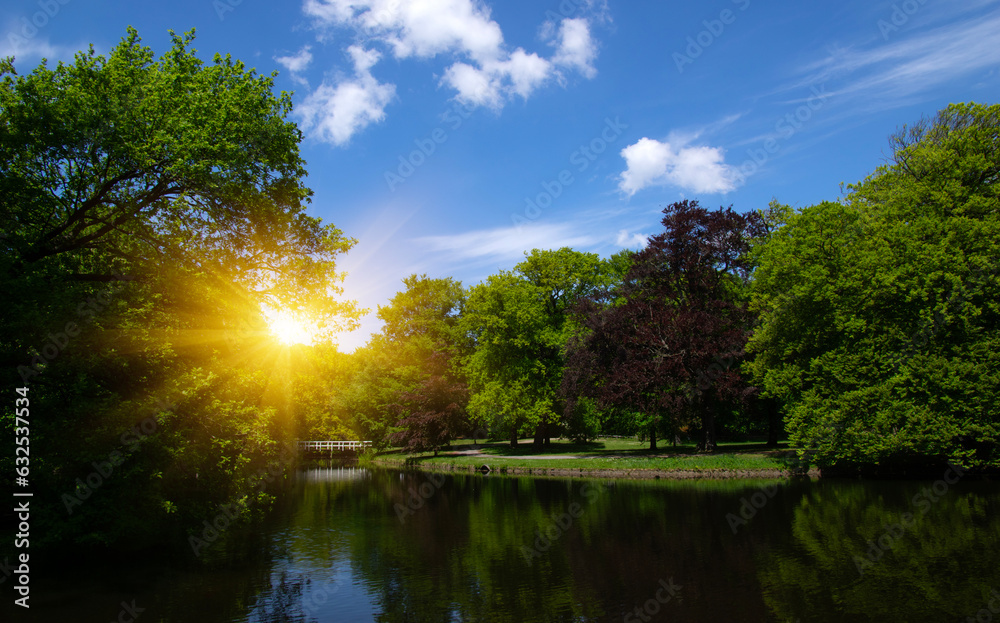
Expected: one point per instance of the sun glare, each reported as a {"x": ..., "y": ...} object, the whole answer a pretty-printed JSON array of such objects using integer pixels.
[{"x": 288, "y": 329}]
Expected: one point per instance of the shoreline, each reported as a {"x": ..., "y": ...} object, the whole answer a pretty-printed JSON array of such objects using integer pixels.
[{"x": 629, "y": 474}]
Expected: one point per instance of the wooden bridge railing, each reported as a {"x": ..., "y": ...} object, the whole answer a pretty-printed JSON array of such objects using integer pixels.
[{"x": 333, "y": 446}]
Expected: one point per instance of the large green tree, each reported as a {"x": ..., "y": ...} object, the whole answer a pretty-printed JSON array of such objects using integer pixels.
[
  {"x": 410, "y": 367},
  {"x": 110, "y": 167},
  {"x": 149, "y": 208},
  {"x": 881, "y": 312},
  {"x": 520, "y": 323}
]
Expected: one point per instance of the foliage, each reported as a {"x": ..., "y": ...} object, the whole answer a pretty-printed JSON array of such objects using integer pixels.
[
  {"x": 519, "y": 323},
  {"x": 320, "y": 375},
  {"x": 150, "y": 208},
  {"x": 434, "y": 413},
  {"x": 668, "y": 346},
  {"x": 411, "y": 363},
  {"x": 879, "y": 314},
  {"x": 427, "y": 311},
  {"x": 583, "y": 420},
  {"x": 131, "y": 162}
]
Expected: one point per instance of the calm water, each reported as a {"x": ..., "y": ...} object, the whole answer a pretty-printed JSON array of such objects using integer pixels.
[{"x": 374, "y": 545}]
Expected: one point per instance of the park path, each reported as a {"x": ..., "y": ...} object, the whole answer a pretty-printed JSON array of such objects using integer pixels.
[
  {"x": 478, "y": 452},
  {"x": 620, "y": 455}
]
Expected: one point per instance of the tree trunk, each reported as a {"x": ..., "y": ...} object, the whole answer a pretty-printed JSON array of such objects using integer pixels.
[
  {"x": 652, "y": 436},
  {"x": 513, "y": 439},
  {"x": 773, "y": 423},
  {"x": 708, "y": 425}
]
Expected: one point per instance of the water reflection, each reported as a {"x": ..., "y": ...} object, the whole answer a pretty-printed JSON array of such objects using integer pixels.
[{"x": 390, "y": 546}]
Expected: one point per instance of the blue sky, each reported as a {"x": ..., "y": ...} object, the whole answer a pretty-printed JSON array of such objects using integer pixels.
[{"x": 449, "y": 136}]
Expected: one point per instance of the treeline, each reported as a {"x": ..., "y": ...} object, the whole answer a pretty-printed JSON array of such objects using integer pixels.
[
  {"x": 152, "y": 208},
  {"x": 866, "y": 328}
]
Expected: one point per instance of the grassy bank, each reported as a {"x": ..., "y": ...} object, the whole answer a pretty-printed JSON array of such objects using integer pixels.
[{"x": 611, "y": 457}]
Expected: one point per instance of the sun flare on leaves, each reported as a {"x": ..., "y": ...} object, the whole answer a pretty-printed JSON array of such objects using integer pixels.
[{"x": 288, "y": 328}]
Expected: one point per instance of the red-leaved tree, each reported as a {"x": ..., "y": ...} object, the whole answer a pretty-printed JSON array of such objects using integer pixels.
[
  {"x": 434, "y": 413},
  {"x": 667, "y": 343}
]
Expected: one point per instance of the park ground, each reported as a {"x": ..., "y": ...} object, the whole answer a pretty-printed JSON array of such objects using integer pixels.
[{"x": 611, "y": 457}]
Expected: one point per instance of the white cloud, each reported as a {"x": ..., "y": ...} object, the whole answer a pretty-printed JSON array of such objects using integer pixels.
[
  {"x": 507, "y": 244},
  {"x": 490, "y": 85},
  {"x": 484, "y": 73},
  {"x": 27, "y": 52},
  {"x": 422, "y": 28},
  {"x": 673, "y": 162},
  {"x": 335, "y": 112},
  {"x": 919, "y": 64},
  {"x": 296, "y": 63},
  {"x": 363, "y": 59},
  {"x": 576, "y": 47},
  {"x": 475, "y": 86},
  {"x": 627, "y": 240},
  {"x": 526, "y": 71}
]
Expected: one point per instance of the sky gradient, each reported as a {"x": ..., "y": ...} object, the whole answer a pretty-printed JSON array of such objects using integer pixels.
[{"x": 450, "y": 136}]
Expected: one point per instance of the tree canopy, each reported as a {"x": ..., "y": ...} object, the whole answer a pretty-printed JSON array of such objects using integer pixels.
[
  {"x": 519, "y": 323},
  {"x": 879, "y": 313},
  {"x": 151, "y": 209},
  {"x": 678, "y": 315},
  {"x": 128, "y": 162}
]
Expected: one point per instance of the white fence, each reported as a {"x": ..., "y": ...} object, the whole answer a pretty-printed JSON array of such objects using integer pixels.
[{"x": 333, "y": 446}]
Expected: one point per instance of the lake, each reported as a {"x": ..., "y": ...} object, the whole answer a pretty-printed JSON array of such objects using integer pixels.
[{"x": 350, "y": 544}]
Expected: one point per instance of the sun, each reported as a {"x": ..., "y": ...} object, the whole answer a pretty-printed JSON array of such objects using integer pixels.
[{"x": 288, "y": 328}]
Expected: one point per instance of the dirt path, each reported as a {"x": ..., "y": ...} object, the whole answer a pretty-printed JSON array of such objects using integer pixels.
[
  {"x": 478, "y": 452},
  {"x": 598, "y": 455}
]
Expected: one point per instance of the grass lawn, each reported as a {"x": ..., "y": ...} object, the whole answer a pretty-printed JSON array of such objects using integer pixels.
[{"x": 602, "y": 454}]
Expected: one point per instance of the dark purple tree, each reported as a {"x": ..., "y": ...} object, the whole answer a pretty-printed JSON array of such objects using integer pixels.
[
  {"x": 667, "y": 344},
  {"x": 434, "y": 413}
]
